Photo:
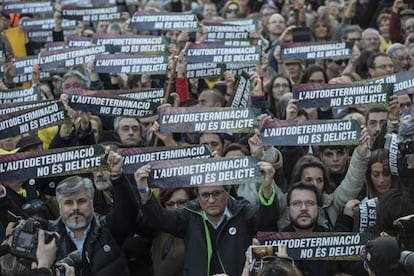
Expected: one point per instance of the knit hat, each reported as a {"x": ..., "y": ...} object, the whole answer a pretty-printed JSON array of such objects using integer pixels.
[{"x": 382, "y": 255}]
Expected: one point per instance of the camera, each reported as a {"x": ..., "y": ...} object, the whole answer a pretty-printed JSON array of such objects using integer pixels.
[
  {"x": 24, "y": 241},
  {"x": 72, "y": 259},
  {"x": 405, "y": 227},
  {"x": 406, "y": 147}
]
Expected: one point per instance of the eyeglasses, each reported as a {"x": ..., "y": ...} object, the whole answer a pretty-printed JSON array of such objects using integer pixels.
[
  {"x": 177, "y": 203},
  {"x": 235, "y": 11},
  {"x": 299, "y": 204},
  {"x": 281, "y": 85},
  {"x": 405, "y": 105},
  {"x": 214, "y": 194},
  {"x": 341, "y": 61},
  {"x": 411, "y": 27}
]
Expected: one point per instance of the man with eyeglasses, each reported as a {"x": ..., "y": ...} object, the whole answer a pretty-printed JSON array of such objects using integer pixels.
[
  {"x": 399, "y": 56},
  {"x": 380, "y": 64},
  {"x": 216, "y": 228},
  {"x": 304, "y": 203}
]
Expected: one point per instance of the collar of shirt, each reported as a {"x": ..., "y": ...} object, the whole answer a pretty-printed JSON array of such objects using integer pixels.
[
  {"x": 226, "y": 213},
  {"x": 78, "y": 242}
]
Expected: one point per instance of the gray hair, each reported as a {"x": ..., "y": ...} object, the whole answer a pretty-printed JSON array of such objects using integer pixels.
[
  {"x": 369, "y": 30},
  {"x": 73, "y": 185},
  {"x": 392, "y": 50},
  {"x": 117, "y": 121},
  {"x": 77, "y": 74},
  {"x": 351, "y": 29}
]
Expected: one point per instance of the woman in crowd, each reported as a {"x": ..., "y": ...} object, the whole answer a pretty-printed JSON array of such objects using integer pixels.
[
  {"x": 378, "y": 176},
  {"x": 167, "y": 251},
  {"x": 277, "y": 87}
]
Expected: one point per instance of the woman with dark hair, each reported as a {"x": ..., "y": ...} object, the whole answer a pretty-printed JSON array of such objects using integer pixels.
[
  {"x": 316, "y": 74},
  {"x": 167, "y": 251},
  {"x": 378, "y": 176},
  {"x": 276, "y": 88},
  {"x": 322, "y": 27}
]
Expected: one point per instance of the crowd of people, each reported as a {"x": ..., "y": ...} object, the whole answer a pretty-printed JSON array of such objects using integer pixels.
[{"x": 120, "y": 226}]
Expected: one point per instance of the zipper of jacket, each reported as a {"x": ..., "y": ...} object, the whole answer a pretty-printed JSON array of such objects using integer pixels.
[{"x": 208, "y": 238}]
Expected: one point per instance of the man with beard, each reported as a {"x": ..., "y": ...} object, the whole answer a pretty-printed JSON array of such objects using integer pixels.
[
  {"x": 99, "y": 238},
  {"x": 304, "y": 203},
  {"x": 103, "y": 200}
]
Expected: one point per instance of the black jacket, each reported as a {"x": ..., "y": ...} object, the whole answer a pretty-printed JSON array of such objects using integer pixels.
[
  {"x": 233, "y": 238},
  {"x": 102, "y": 254}
]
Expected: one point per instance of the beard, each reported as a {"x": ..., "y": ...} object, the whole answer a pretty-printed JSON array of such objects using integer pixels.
[
  {"x": 102, "y": 184},
  {"x": 304, "y": 226},
  {"x": 77, "y": 220}
]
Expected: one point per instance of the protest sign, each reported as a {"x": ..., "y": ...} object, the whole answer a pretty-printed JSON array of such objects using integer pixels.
[
  {"x": 210, "y": 171},
  {"x": 392, "y": 151},
  {"x": 197, "y": 53},
  {"x": 218, "y": 119},
  {"x": 40, "y": 35},
  {"x": 60, "y": 59},
  {"x": 20, "y": 122},
  {"x": 318, "y": 245},
  {"x": 367, "y": 214},
  {"x": 333, "y": 95},
  {"x": 149, "y": 21},
  {"x": 100, "y": 3},
  {"x": 135, "y": 158},
  {"x": 229, "y": 29},
  {"x": 15, "y": 107},
  {"x": 44, "y": 23},
  {"x": 23, "y": 69},
  {"x": 403, "y": 82},
  {"x": 20, "y": 95},
  {"x": 112, "y": 106},
  {"x": 58, "y": 162},
  {"x": 53, "y": 46},
  {"x": 28, "y": 7},
  {"x": 91, "y": 13},
  {"x": 131, "y": 64},
  {"x": 204, "y": 69},
  {"x": 155, "y": 95},
  {"x": 292, "y": 133},
  {"x": 75, "y": 41},
  {"x": 241, "y": 91},
  {"x": 315, "y": 50},
  {"x": 132, "y": 43},
  {"x": 237, "y": 68}
]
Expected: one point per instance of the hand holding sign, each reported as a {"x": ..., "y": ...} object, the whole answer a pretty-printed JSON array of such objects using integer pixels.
[
  {"x": 365, "y": 142},
  {"x": 165, "y": 137},
  {"x": 349, "y": 207},
  {"x": 268, "y": 172},
  {"x": 115, "y": 163},
  {"x": 35, "y": 74},
  {"x": 291, "y": 110},
  {"x": 141, "y": 179},
  {"x": 256, "y": 144},
  {"x": 90, "y": 69}
]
